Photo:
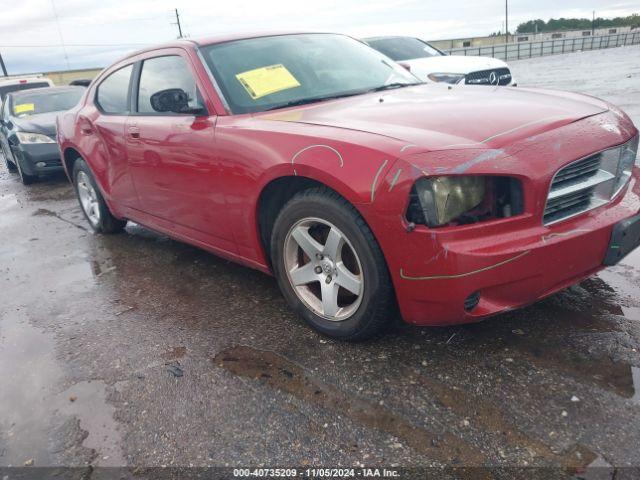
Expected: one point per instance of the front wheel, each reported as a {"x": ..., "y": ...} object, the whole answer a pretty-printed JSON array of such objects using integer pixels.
[
  {"x": 24, "y": 177},
  {"x": 94, "y": 207},
  {"x": 11, "y": 167},
  {"x": 330, "y": 267}
]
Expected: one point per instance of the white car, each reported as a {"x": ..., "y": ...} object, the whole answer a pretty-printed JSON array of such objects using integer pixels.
[
  {"x": 14, "y": 84},
  {"x": 432, "y": 65}
]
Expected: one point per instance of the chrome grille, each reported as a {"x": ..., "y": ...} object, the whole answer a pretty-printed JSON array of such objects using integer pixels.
[
  {"x": 502, "y": 76},
  {"x": 580, "y": 170},
  {"x": 562, "y": 207},
  {"x": 590, "y": 182}
]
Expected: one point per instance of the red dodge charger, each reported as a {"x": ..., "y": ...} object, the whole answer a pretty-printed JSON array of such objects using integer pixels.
[{"x": 363, "y": 190}]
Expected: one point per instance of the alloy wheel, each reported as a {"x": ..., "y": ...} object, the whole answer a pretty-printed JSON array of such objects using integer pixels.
[
  {"x": 323, "y": 269},
  {"x": 88, "y": 198}
]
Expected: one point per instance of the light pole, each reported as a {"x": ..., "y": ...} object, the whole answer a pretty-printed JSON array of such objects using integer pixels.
[
  {"x": 178, "y": 24},
  {"x": 506, "y": 20}
]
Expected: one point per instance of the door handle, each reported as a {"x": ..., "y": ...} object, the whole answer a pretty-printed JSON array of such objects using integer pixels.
[{"x": 134, "y": 132}]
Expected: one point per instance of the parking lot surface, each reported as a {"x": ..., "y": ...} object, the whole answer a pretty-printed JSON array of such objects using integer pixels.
[{"x": 140, "y": 351}]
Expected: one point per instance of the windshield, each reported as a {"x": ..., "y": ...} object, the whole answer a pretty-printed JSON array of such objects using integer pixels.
[
  {"x": 35, "y": 103},
  {"x": 271, "y": 72},
  {"x": 403, "y": 48}
]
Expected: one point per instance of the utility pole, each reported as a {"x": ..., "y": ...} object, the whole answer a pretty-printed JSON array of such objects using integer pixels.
[
  {"x": 506, "y": 20},
  {"x": 178, "y": 24},
  {"x": 593, "y": 24},
  {"x": 4, "y": 68}
]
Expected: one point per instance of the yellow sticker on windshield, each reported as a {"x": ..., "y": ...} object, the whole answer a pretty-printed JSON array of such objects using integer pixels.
[
  {"x": 267, "y": 80},
  {"x": 24, "y": 108}
]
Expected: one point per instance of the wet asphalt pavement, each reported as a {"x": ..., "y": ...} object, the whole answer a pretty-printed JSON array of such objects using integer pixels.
[{"x": 136, "y": 350}]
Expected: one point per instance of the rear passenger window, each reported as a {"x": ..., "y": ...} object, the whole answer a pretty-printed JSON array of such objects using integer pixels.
[
  {"x": 163, "y": 73},
  {"x": 113, "y": 92}
]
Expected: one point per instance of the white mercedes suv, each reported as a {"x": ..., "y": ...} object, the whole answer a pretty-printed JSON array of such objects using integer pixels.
[{"x": 432, "y": 65}]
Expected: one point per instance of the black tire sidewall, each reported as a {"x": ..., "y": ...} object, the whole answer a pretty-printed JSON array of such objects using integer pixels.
[
  {"x": 347, "y": 221},
  {"x": 26, "y": 179},
  {"x": 11, "y": 167}
]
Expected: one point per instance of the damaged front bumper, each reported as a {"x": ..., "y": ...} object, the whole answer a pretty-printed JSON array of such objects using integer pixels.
[{"x": 481, "y": 270}]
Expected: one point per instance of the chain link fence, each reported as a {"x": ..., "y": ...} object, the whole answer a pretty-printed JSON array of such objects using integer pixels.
[{"x": 520, "y": 50}]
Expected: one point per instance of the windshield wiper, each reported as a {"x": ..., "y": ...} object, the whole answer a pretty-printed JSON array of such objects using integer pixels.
[
  {"x": 306, "y": 101},
  {"x": 391, "y": 86}
]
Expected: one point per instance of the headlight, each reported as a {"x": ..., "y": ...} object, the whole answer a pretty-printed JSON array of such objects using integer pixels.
[
  {"x": 446, "y": 77},
  {"x": 446, "y": 198},
  {"x": 458, "y": 200},
  {"x": 24, "y": 137}
]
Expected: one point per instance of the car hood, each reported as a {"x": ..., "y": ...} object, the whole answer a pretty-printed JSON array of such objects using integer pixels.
[
  {"x": 436, "y": 117},
  {"x": 452, "y": 64},
  {"x": 44, "y": 123}
]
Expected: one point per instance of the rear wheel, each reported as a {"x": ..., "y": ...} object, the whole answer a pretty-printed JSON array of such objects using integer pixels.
[
  {"x": 93, "y": 206},
  {"x": 330, "y": 268}
]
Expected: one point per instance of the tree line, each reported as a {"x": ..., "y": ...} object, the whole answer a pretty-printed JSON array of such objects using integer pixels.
[{"x": 555, "y": 24}]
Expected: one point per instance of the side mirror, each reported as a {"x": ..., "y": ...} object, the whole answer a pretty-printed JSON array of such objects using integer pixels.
[{"x": 174, "y": 100}]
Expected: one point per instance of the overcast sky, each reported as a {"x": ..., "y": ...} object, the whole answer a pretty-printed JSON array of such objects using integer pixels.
[{"x": 98, "y": 32}]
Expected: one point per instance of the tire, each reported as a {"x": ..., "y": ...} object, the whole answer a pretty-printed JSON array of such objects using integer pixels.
[
  {"x": 11, "y": 167},
  {"x": 25, "y": 178},
  {"x": 92, "y": 202},
  {"x": 323, "y": 215}
]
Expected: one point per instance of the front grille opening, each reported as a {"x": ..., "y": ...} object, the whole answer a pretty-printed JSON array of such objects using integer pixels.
[
  {"x": 568, "y": 205},
  {"x": 581, "y": 186},
  {"x": 483, "y": 77},
  {"x": 503, "y": 198},
  {"x": 577, "y": 172},
  {"x": 471, "y": 301}
]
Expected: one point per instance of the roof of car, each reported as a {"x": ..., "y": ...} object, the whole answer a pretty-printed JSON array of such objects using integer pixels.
[{"x": 45, "y": 90}]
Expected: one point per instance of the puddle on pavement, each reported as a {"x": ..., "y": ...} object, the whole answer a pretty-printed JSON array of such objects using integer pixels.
[
  {"x": 30, "y": 408},
  {"x": 86, "y": 401},
  {"x": 281, "y": 374},
  {"x": 624, "y": 280},
  {"x": 603, "y": 371}
]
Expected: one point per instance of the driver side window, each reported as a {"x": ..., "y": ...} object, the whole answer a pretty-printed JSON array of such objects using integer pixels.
[{"x": 164, "y": 73}]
